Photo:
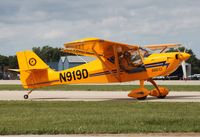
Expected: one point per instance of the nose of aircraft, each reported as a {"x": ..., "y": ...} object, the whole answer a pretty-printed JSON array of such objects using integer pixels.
[{"x": 184, "y": 56}]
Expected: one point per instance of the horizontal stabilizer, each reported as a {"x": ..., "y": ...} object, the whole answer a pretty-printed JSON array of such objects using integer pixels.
[{"x": 14, "y": 70}]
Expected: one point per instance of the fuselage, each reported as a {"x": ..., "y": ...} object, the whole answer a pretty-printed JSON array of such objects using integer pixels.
[{"x": 157, "y": 64}]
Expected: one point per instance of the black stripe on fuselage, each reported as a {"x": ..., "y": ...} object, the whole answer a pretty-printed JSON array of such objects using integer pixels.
[
  {"x": 103, "y": 73},
  {"x": 156, "y": 64}
]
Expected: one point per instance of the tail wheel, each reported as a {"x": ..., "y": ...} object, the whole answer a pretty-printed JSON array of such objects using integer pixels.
[{"x": 25, "y": 96}]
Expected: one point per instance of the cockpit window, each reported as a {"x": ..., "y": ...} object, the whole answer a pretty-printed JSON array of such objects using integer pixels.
[
  {"x": 130, "y": 60},
  {"x": 145, "y": 53}
]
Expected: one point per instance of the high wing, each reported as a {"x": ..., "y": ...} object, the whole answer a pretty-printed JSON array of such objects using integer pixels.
[
  {"x": 162, "y": 47},
  {"x": 96, "y": 47}
]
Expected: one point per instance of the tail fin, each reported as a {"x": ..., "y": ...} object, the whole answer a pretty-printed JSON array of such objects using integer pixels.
[
  {"x": 28, "y": 60},
  {"x": 33, "y": 71}
]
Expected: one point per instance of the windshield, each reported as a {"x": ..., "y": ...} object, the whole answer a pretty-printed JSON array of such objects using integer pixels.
[{"x": 145, "y": 52}]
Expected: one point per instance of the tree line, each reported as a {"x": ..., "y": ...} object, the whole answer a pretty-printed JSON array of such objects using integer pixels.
[{"x": 50, "y": 54}]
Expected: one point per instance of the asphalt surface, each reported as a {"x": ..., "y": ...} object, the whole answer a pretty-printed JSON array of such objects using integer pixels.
[{"x": 190, "y": 96}]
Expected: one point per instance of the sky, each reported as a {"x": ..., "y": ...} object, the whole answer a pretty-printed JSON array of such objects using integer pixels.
[{"x": 28, "y": 23}]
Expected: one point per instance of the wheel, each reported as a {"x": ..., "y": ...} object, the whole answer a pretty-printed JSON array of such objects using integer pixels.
[
  {"x": 25, "y": 96},
  {"x": 142, "y": 98},
  {"x": 161, "y": 97}
]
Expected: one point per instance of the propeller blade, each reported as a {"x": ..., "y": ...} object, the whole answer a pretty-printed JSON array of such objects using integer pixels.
[
  {"x": 185, "y": 50},
  {"x": 184, "y": 70}
]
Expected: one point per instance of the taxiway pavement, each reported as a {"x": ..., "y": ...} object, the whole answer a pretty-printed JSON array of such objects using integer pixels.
[{"x": 186, "y": 96}]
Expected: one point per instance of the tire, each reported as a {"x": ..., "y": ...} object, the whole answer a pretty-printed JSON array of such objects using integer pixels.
[
  {"x": 161, "y": 97},
  {"x": 25, "y": 96},
  {"x": 142, "y": 98}
]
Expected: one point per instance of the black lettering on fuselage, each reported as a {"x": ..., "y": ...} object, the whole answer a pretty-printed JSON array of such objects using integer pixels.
[
  {"x": 156, "y": 69},
  {"x": 85, "y": 73},
  {"x": 62, "y": 77},
  {"x": 73, "y": 75}
]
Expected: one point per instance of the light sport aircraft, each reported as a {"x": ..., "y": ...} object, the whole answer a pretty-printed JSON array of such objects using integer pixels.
[{"x": 116, "y": 62}]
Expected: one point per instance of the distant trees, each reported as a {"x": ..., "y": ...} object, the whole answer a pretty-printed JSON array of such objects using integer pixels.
[
  {"x": 194, "y": 61},
  {"x": 3, "y": 60},
  {"x": 5, "y": 64},
  {"x": 12, "y": 62}
]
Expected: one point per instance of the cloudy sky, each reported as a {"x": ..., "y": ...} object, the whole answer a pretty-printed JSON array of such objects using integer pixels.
[{"x": 28, "y": 23}]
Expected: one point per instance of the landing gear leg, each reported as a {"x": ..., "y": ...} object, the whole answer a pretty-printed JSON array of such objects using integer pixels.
[
  {"x": 159, "y": 92},
  {"x": 26, "y": 95},
  {"x": 140, "y": 93}
]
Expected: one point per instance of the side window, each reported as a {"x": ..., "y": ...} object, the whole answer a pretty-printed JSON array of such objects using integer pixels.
[
  {"x": 144, "y": 53},
  {"x": 130, "y": 59},
  {"x": 111, "y": 59},
  {"x": 136, "y": 59}
]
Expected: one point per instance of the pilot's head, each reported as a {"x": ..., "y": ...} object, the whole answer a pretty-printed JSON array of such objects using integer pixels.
[{"x": 127, "y": 54}]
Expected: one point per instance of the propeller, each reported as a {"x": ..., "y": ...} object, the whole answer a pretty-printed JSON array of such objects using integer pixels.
[
  {"x": 183, "y": 64},
  {"x": 184, "y": 69}
]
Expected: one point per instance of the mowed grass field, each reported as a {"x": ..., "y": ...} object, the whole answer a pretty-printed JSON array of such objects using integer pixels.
[
  {"x": 33, "y": 117},
  {"x": 104, "y": 87}
]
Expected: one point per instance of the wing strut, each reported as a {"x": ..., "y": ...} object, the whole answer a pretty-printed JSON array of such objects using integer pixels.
[
  {"x": 117, "y": 63},
  {"x": 109, "y": 69}
]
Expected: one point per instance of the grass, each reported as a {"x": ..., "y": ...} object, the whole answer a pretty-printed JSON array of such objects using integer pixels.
[
  {"x": 26, "y": 117},
  {"x": 104, "y": 87}
]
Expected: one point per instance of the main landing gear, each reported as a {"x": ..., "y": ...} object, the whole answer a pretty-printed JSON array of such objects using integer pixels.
[
  {"x": 28, "y": 92},
  {"x": 142, "y": 93}
]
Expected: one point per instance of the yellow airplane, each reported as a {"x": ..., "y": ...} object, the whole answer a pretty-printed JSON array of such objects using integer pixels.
[{"x": 116, "y": 62}]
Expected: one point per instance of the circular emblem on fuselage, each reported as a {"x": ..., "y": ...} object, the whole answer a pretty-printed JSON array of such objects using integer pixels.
[{"x": 32, "y": 61}]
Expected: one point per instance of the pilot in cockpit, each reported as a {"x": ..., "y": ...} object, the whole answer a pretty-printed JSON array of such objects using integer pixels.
[{"x": 130, "y": 60}]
